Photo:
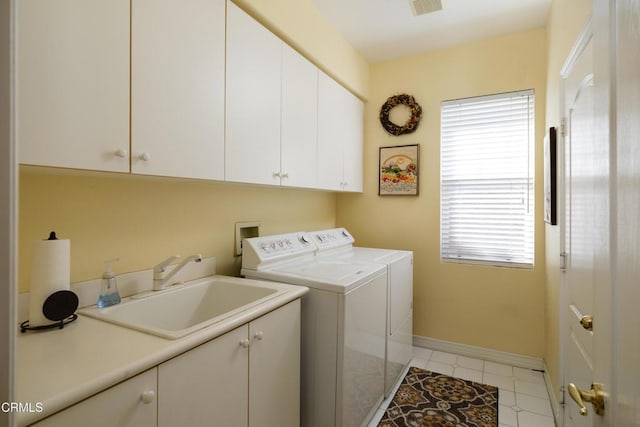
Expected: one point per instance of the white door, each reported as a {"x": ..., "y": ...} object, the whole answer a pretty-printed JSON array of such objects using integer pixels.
[
  {"x": 627, "y": 267},
  {"x": 586, "y": 236}
]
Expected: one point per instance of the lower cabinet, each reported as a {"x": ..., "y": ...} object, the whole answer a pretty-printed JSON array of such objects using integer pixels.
[
  {"x": 208, "y": 385},
  {"x": 274, "y": 368},
  {"x": 132, "y": 403},
  {"x": 249, "y": 376}
]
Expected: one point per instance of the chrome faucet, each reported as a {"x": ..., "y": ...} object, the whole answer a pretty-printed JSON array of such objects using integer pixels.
[{"x": 162, "y": 279}]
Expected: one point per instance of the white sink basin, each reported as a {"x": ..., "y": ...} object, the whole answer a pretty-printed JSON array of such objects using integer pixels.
[{"x": 183, "y": 309}]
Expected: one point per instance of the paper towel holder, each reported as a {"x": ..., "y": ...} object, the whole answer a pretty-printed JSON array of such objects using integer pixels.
[{"x": 59, "y": 307}]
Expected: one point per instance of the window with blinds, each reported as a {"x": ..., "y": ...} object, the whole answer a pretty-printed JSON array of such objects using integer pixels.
[{"x": 486, "y": 180}]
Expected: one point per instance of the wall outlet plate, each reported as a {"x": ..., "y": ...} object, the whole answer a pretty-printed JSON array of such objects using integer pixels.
[{"x": 244, "y": 230}]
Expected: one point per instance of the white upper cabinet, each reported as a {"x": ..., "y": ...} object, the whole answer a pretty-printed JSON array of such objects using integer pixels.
[
  {"x": 72, "y": 83},
  {"x": 178, "y": 56},
  {"x": 330, "y": 117},
  {"x": 340, "y": 121},
  {"x": 254, "y": 75},
  {"x": 169, "y": 88},
  {"x": 298, "y": 156},
  {"x": 352, "y": 148}
]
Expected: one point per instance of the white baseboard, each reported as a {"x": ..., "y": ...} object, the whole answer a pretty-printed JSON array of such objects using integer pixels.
[{"x": 497, "y": 356}]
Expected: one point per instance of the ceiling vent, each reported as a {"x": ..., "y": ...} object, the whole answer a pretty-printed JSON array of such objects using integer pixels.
[{"x": 421, "y": 7}]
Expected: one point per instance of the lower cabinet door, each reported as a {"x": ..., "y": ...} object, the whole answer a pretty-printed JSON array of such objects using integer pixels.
[
  {"x": 132, "y": 403},
  {"x": 274, "y": 368},
  {"x": 207, "y": 386}
]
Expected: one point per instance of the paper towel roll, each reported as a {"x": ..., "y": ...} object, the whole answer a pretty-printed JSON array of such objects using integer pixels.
[{"x": 50, "y": 272}]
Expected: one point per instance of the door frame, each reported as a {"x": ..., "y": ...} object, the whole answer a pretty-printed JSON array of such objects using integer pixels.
[
  {"x": 581, "y": 42},
  {"x": 8, "y": 217}
]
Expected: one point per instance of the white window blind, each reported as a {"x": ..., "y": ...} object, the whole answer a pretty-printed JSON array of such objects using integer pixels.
[{"x": 486, "y": 181}]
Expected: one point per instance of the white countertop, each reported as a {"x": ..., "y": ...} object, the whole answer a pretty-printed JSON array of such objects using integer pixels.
[{"x": 61, "y": 367}]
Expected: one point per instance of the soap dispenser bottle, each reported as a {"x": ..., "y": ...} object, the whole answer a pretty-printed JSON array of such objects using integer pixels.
[{"x": 109, "y": 291}]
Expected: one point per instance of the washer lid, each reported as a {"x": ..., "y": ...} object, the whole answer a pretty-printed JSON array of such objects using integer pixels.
[
  {"x": 334, "y": 271},
  {"x": 359, "y": 254},
  {"x": 329, "y": 275}
]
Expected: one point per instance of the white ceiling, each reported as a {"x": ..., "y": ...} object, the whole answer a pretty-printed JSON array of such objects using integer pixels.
[{"x": 385, "y": 29}]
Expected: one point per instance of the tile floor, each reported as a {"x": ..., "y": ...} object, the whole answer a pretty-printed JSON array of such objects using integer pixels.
[{"x": 523, "y": 399}]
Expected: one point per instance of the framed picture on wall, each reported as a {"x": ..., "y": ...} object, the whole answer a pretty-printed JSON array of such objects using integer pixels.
[
  {"x": 399, "y": 170},
  {"x": 550, "y": 169}
]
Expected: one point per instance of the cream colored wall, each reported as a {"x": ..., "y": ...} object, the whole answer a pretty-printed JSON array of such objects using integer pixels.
[
  {"x": 300, "y": 24},
  {"x": 143, "y": 220},
  {"x": 494, "y": 308},
  {"x": 566, "y": 19}
]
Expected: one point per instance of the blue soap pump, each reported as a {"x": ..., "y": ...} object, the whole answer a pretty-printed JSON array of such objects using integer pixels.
[{"x": 109, "y": 290}]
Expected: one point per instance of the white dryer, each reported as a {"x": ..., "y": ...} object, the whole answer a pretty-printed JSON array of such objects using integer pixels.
[
  {"x": 343, "y": 326},
  {"x": 337, "y": 244}
]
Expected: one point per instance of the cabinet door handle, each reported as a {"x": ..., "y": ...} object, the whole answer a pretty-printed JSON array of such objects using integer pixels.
[
  {"x": 144, "y": 156},
  {"x": 285, "y": 175},
  {"x": 259, "y": 335},
  {"x": 244, "y": 343},
  {"x": 148, "y": 396},
  {"x": 122, "y": 153},
  {"x": 276, "y": 174}
]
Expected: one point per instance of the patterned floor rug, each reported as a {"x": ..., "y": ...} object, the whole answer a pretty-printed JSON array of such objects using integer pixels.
[{"x": 428, "y": 399}]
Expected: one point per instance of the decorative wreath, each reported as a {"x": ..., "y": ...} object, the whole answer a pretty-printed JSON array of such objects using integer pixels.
[{"x": 411, "y": 124}]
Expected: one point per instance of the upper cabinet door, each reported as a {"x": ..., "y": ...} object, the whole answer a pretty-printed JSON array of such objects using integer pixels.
[
  {"x": 298, "y": 155},
  {"x": 72, "y": 83},
  {"x": 353, "y": 143},
  {"x": 331, "y": 112},
  {"x": 177, "y": 79},
  {"x": 254, "y": 73},
  {"x": 340, "y": 121}
]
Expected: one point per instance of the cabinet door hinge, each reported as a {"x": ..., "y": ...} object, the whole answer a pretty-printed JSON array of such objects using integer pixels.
[
  {"x": 563, "y": 126},
  {"x": 563, "y": 261}
]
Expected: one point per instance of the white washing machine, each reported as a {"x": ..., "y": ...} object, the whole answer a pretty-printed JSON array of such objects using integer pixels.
[
  {"x": 337, "y": 244},
  {"x": 343, "y": 326}
]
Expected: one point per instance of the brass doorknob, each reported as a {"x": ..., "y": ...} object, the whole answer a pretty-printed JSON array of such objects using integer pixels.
[
  {"x": 587, "y": 322},
  {"x": 595, "y": 396}
]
